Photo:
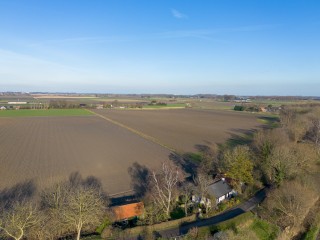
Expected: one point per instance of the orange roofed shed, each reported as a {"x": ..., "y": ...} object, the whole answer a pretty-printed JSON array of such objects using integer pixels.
[{"x": 128, "y": 211}]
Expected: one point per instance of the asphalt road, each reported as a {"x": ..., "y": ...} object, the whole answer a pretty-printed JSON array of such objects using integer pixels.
[{"x": 236, "y": 211}]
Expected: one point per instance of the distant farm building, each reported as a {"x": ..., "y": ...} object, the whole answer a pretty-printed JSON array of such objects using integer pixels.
[
  {"x": 99, "y": 106},
  {"x": 15, "y": 103},
  {"x": 128, "y": 211}
]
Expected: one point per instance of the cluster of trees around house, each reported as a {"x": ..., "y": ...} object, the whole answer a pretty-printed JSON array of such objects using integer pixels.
[
  {"x": 156, "y": 103},
  {"x": 66, "y": 104},
  {"x": 61, "y": 104},
  {"x": 287, "y": 159}
]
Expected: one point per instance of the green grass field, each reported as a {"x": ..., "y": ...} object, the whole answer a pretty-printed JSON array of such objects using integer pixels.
[
  {"x": 43, "y": 112},
  {"x": 263, "y": 229}
]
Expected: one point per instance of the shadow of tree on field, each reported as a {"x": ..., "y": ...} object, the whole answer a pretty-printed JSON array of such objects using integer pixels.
[
  {"x": 269, "y": 121},
  {"x": 238, "y": 137},
  {"x": 76, "y": 180},
  {"x": 207, "y": 155},
  {"x": 139, "y": 178},
  {"x": 202, "y": 148},
  {"x": 185, "y": 161},
  {"x": 121, "y": 200},
  {"x": 18, "y": 193},
  {"x": 190, "y": 162}
]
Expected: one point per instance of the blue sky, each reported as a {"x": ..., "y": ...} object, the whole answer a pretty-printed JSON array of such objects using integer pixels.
[{"x": 248, "y": 47}]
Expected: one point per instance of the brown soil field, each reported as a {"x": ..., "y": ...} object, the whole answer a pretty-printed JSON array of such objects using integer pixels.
[
  {"x": 49, "y": 149},
  {"x": 183, "y": 129}
]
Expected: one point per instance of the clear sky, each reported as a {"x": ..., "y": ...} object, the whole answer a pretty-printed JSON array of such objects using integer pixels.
[{"x": 247, "y": 47}]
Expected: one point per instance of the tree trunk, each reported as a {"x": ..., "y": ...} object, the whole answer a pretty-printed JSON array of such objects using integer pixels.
[
  {"x": 185, "y": 209},
  {"x": 78, "y": 232},
  {"x": 168, "y": 206}
]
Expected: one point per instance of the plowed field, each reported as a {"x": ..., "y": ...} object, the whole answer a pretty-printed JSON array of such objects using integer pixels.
[
  {"x": 48, "y": 149},
  {"x": 182, "y": 129}
]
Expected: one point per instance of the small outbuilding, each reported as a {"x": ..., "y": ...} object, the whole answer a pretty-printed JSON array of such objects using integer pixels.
[{"x": 128, "y": 211}]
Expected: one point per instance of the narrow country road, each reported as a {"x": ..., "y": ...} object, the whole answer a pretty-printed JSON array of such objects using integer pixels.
[{"x": 236, "y": 211}]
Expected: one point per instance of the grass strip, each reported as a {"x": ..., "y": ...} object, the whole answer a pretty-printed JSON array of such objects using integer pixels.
[{"x": 44, "y": 112}]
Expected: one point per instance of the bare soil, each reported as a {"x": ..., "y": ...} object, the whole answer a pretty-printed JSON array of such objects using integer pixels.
[
  {"x": 183, "y": 129},
  {"x": 49, "y": 149}
]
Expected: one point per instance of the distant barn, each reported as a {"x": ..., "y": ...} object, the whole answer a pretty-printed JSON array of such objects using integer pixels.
[{"x": 17, "y": 103}]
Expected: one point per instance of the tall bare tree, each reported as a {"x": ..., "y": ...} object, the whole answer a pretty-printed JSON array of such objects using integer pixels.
[
  {"x": 164, "y": 186},
  {"x": 84, "y": 208},
  {"x": 202, "y": 181},
  {"x": 186, "y": 191},
  {"x": 74, "y": 205},
  {"x": 18, "y": 220},
  {"x": 314, "y": 132}
]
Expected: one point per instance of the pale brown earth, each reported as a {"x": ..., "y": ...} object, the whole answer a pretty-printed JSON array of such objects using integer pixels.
[
  {"x": 183, "y": 129},
  {"x": 49, "y": 149}
]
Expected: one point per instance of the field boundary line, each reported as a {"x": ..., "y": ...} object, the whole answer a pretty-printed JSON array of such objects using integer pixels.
[{"x": 141, "y": 134}]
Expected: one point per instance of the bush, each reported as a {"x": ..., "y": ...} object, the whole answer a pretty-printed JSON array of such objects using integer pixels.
[
  {"x": 239, "y": 108},
  {"x": 177, "y": 213},
  {"x": 106, "y": 222}
]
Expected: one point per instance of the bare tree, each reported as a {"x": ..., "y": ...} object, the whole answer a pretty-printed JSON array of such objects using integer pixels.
[
  {"x": 209, "y": 159},
  {"x": 187, "y": 191},
  {"x": 288, "y": 162},
  {"x": 74, "y": 205},
  {"x": 84, "y": 207},
  {"x": 288, "y": 205},
  {"x": 265, "y": 140},
  {"x": 282, "y": 164},
  {"x": 153, "y": 213},
  {"x": 53, "y": 202},
  {"x": 314, "y": 132},
  {"x": 202, "y": 181},
  {"x": 164, "y": 186},
  {"x": 19, "y": 219},
  {"x": 287, "y": 115}
]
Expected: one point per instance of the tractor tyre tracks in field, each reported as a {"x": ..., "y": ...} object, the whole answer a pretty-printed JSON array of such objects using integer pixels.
[{"x": 141, "y": 134}]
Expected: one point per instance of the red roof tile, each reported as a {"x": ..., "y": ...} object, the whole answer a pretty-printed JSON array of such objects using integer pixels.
[{"x": 128, "y": 211}]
